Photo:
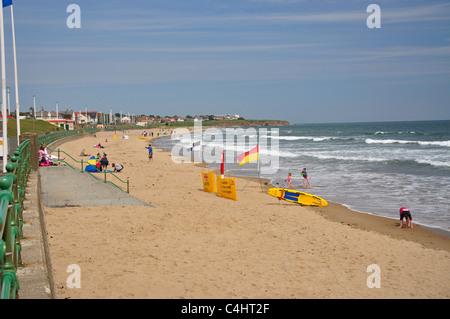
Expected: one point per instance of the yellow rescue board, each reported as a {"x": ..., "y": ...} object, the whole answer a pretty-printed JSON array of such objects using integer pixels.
[
  {"x": 143, "y": 138},
  {"x": 297, "y": 197}
]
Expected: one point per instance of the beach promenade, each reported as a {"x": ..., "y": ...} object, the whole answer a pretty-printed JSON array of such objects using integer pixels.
[{"x": 181, "y": 242}]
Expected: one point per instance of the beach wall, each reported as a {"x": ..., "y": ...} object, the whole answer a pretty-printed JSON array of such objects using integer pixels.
[{"x": 36, "y": 277}]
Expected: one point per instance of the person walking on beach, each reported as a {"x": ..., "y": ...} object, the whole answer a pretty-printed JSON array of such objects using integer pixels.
[
  {"x": 305, "y": 178},
  {"x": 150, "y": 152},
  {"x": 405, "y": 213},
  {"x": 289, "y": 180}
]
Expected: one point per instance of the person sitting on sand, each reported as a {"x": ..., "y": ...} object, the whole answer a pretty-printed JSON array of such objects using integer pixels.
[
  {"x": 117, "y": 167},
  {"x": 83, "y": 153},
  {"x": 405, "y": 213},
  {"x": 305, "y": 178}
]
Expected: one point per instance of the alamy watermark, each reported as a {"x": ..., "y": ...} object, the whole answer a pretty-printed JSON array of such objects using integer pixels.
[
  {"x": 374, "y": 279},
  {"x": 233, "y": 141},
  {"x": 74, "y": 279},
  {"x": 74, "y": 19},
  {"x": 374, "y": 19}
]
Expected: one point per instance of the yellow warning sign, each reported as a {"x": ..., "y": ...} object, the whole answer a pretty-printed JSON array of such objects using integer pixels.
[
  {"x": 209, "y": 182},
  {"x": 226, "y": 187}
]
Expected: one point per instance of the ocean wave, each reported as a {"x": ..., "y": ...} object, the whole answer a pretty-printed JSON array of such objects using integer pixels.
[
  {"x": 309, "y": 138},
  {"x": 381, "y": 132},
  {"x": 436, "y": 143},
  {"x": 423, "y": 143},
  {"x": 347, "y": 158},
  {"x": 434, "y": 163},
  {"x": 389, "y": 161}
]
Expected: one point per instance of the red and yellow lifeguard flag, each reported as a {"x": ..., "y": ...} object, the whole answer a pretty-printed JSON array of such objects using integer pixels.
[{"x": 250, "y": 156}]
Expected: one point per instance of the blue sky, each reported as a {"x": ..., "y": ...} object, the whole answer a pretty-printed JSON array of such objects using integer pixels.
[{"x": 303, "y": 61}]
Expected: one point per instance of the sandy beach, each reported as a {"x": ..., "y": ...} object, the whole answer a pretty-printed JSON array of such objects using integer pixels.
[{"x": 195, "y": 244}]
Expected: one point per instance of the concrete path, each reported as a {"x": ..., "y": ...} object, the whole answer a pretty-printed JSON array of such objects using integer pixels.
[{"x": 63, "y": 186}]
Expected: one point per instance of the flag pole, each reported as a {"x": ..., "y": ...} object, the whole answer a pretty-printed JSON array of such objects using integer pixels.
[
  {"x": 15, "y": 74},
  {"x": 4, "y": 115},
  {"x": 222, "y": 165},
  {"x": 258, "y": 157},
  {"x": 34, "y": 106},
  {"x": 259, "y": 171},
  {"x": 8, "y": 106}
]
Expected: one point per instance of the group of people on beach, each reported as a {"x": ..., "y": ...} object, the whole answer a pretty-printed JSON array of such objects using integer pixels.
[
  {"x": 305, "y": 178},
  {"x": 102, "y": 161},
  {"x": 145, "y": 134},
  {"x": 405, "y": 214}
]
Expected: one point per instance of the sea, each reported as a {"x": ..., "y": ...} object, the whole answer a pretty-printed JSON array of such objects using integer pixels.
[{"x": 373, "y": 168}]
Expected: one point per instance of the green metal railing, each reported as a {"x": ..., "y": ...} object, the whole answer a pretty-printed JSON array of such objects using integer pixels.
[
  {"x": 82, "y": 163},
  {"x": 12, "y": 196},
  {"x": 47, "y": 139}
]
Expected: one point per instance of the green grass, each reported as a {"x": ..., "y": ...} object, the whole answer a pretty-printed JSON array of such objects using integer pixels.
[{"x": 33, "y": 126}]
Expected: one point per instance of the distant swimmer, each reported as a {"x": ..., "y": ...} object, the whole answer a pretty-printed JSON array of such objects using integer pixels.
[
  {"x": 305, "y": 178},
  {"x": 405, "y": 213}
]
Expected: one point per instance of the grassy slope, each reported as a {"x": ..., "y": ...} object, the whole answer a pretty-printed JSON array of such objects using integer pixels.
[{"x": 35, "y": 126}]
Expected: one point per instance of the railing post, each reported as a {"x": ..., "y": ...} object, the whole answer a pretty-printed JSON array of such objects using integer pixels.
[
  {"x": 33, "y": 148},
  {"x": 10, "y": 232},
  {"x": 128, "y": 185},
  {"x": 9, "y": 285}
]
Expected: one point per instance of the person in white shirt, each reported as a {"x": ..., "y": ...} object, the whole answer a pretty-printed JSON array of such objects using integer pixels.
[{"x": 117, "y": 167}]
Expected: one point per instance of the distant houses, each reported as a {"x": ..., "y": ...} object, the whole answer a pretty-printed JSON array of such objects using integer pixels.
[{"x": 70, "y": 119}]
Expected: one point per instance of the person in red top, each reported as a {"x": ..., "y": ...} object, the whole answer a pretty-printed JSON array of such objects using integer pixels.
[{"x": 405, "y": 213}]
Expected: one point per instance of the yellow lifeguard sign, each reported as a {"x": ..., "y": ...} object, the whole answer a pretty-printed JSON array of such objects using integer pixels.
[
  {"x": 209, "y": 182},
  {"x": 226, "y": 187}
]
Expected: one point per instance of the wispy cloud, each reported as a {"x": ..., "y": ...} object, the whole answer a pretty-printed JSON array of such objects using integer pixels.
[
  {"x": 152, "y": 20},
  {"x": 437, "y": 12}
]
